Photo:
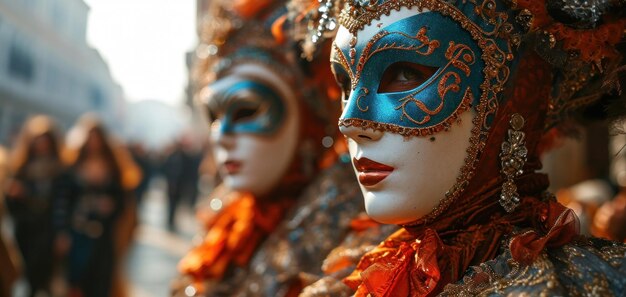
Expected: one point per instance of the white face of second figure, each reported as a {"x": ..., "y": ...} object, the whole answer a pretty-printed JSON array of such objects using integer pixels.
[
  {"x": 254, "y": 128},
  {"x": 403, "y": 178}
]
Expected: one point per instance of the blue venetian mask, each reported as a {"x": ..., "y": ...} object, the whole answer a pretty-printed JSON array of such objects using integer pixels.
[
  {"x": 245, "y": 105},
  {"x": 413, "y": 77}
]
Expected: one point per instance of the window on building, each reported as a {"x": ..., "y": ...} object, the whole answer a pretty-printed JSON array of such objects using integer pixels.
[
  {"x": 21, "y": 62},
  {"x": 58, "y": 15},
  {"x": 4, "y": 137},
  {"x": 52, "y": 79},
  {"x": 16, "y": 121},
  {"x": 30, "y": 4},
  {"x": 97, "y": 98}
]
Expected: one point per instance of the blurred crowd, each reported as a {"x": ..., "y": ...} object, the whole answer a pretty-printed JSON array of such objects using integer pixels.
[{"x": 70, "y": 205}]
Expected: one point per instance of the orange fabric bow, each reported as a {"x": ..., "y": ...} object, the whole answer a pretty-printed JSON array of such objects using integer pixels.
[
  {"x": 560, "y": 225},
  {"x": 232, "y": 237},
  {"x": 410, "y": 268}
]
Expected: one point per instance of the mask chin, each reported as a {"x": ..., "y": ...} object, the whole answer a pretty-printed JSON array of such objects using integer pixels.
[{"x": 425, "y": 169}]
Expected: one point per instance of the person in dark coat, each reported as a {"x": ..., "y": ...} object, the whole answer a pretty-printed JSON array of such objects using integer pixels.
[
  {"x": 98, "y": 199},
  {"x": 34, "y": 199}
]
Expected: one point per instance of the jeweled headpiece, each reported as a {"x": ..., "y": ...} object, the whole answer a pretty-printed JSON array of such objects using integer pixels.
[
  {"x": 313, "y": 22},
  {"x": 577, "y": 38}
]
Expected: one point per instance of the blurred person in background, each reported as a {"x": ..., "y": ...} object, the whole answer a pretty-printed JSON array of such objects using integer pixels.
[
  {"x": 610, "y": 219},
  {"x": 34, "y": 199},
  {"x": 585, "y": 199},
  {"x": 8, "y": 256},
  {"x": 181, "y": 171},
  {"x": 102, "y": 209},
  {"x": 142, "y": 158}
]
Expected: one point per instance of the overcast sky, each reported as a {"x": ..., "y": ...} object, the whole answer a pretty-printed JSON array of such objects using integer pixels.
[{"x": 144, "y": 43}]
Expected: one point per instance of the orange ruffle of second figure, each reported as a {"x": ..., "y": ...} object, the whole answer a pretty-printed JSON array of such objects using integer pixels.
[{"x": 233, "y": 236}]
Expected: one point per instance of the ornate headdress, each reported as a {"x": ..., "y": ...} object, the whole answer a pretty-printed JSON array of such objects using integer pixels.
[{"x": 238, "y": 32}]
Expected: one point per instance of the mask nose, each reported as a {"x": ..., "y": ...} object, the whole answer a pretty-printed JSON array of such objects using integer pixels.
[
  {"x": 221, "y": 137},
  {"x": 357, "y": 134},
  {"x": 360, "y": 135}
]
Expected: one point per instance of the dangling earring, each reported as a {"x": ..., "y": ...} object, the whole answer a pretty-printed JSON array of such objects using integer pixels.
[{"x": 512, "y": 159}]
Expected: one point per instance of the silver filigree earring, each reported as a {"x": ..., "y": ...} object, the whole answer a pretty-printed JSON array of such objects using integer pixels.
[{"x": 512, "y": 160}]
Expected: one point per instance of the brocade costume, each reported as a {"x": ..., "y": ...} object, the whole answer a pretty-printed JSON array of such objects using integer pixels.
[
  {"x": 290, "y": 256},
  {"x": 523, "y": 67},
  {"x": 364, "y": 236}
]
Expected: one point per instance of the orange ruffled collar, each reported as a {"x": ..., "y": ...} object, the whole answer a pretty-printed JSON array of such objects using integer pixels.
[
  {"x": 420, "y": 261},
  {"x": 233, "y": 236}
]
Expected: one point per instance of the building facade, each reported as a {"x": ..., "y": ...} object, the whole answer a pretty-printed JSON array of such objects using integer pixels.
[
  {"x": 191, "y": 58},
  {"x": 47, "y": 67}
]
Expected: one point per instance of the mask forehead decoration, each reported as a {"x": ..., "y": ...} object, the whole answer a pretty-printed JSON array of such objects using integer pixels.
[{"x": 425, "y": 109}]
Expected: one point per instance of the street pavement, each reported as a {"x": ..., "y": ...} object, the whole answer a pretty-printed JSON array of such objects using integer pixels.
[{"x": 152, "y": 260}]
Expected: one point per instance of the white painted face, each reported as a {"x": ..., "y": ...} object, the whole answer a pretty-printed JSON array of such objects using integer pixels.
[
  {"x": 409, "y": 176},
  {"x": 254, "y": 128}
]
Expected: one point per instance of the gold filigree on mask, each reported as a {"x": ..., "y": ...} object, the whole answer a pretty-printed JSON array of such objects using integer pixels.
[
  {"x": 426, "y": 48},
  {"x": 459, "y": 56}
]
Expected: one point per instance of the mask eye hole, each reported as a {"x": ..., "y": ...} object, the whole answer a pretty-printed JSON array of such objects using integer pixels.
[
  {"x": 344, "y": 83},
  {"x": 244, "y": 113},
  {"x": 404, "y": 76},
  {"x": 211, "y": 115}
]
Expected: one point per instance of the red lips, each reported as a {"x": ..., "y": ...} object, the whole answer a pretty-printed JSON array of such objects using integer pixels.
[
  {"x": 232, "y": 167},
  {"x": 371, "y": 172}
]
